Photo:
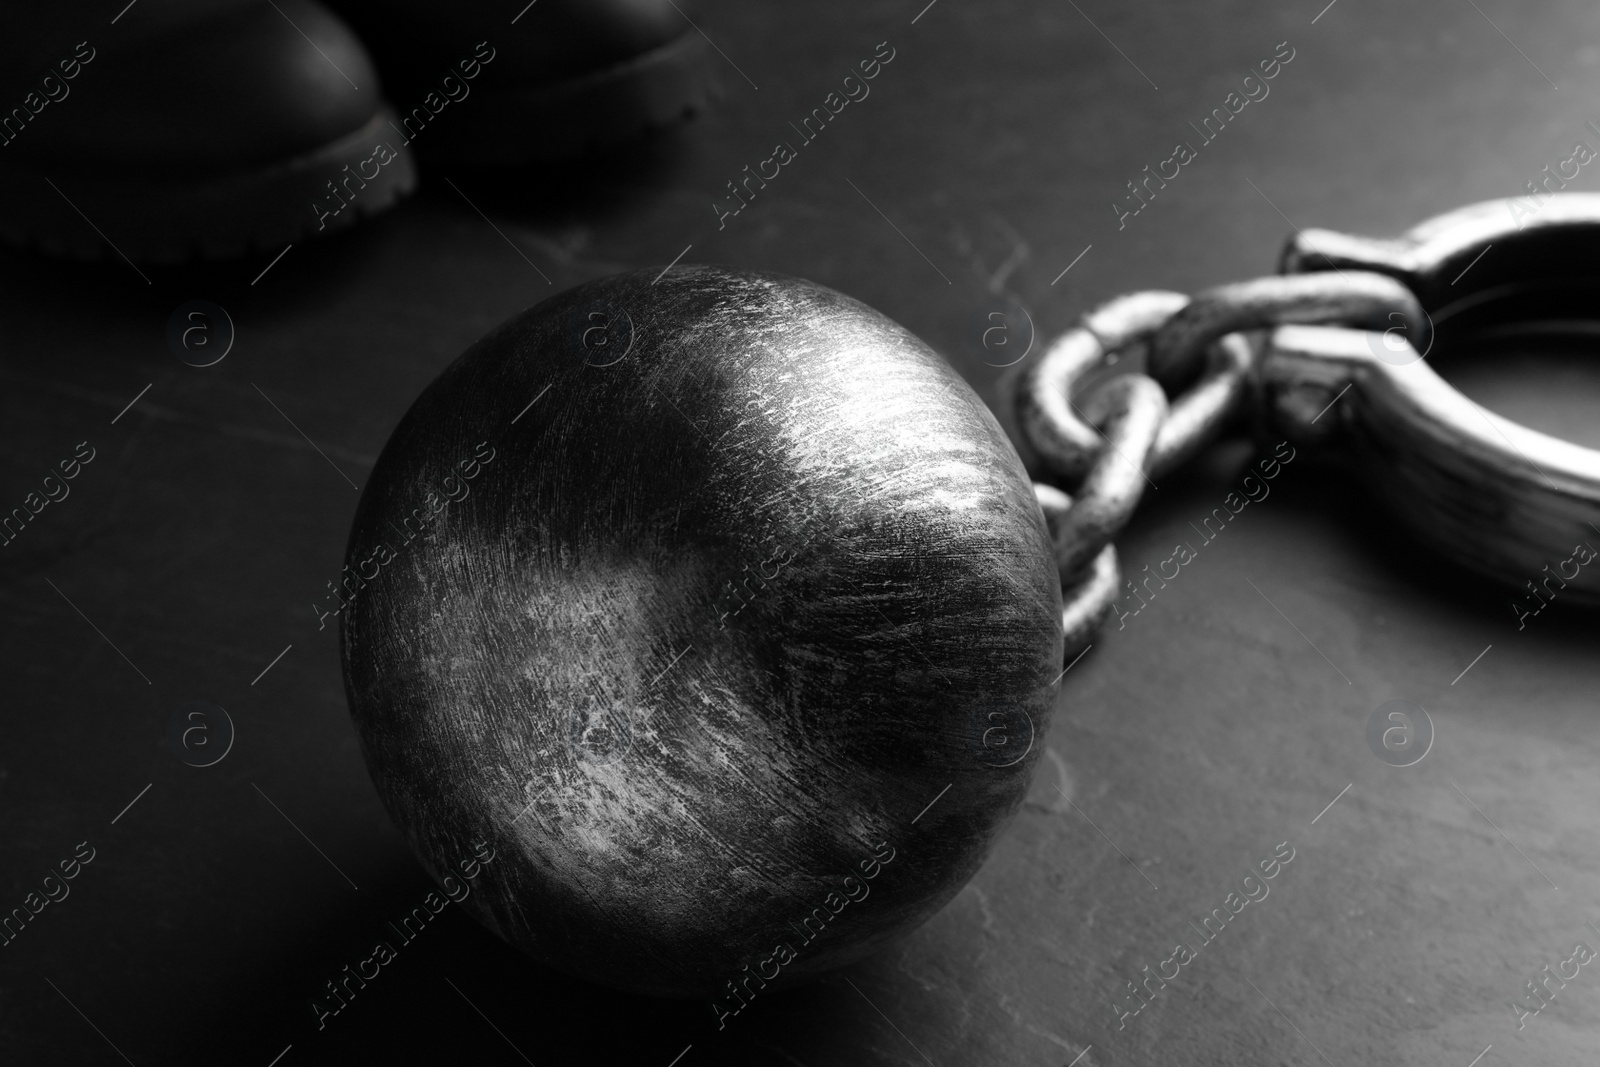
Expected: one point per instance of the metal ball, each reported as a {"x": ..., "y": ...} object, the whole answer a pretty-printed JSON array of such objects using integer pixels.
[{"x": 721, "y": 610}]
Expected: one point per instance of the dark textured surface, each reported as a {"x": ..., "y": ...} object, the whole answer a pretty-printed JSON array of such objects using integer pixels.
[{"x": 1197, "y": 738}]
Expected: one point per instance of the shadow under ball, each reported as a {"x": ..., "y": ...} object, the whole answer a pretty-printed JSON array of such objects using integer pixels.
[{"x": 754, "y": 579}]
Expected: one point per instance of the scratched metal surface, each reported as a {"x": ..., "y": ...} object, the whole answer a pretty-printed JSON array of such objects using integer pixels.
[
  {"x": 562, "y": 664},
  {"x": 1217, "y": 725}
]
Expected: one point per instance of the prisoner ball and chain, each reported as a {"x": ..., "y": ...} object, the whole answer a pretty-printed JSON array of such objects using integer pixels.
[
  {"x": 765, "y": 406},
  {"x": 1348, "y": 314}
]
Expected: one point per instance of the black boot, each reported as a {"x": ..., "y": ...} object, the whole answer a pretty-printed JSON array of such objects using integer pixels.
[
  {"x": 511, "y": 82},
  {"x": 186, "y": 129}
]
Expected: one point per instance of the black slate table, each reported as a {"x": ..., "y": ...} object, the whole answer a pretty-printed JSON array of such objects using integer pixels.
[{"x": 1223, "y": 723}]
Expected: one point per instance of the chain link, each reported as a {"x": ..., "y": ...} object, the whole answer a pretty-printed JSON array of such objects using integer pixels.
[
  {"x": 1358, "y": 299},
  {"x": 1056, "y": 438},
  {"x": 1086, "y": 602},
  {"x": 1106, "y": 445}
]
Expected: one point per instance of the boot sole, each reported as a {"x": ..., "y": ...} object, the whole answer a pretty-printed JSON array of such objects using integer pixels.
[
  {"x": 215, "y": 217},
  {"x": 507, "y": 126}
]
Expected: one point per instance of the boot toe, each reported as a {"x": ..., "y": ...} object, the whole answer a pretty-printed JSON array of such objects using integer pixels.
[
  {"x": 213, "y": 135},
  {"x": 254, "y": 86}
]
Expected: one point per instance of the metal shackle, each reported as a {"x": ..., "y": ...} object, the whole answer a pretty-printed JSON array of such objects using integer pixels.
[{"x": 1348, "y": 327}]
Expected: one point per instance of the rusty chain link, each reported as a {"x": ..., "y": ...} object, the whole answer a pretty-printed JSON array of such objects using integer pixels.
[{"x": 1109, "y": 443}]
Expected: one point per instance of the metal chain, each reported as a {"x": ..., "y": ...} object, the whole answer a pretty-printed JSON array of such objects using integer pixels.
[{"x": 1106, "y": 445}]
